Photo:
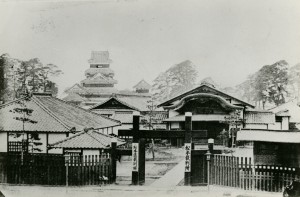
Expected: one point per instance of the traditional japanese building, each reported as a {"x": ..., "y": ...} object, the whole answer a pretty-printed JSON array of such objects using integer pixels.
[
  {"x": 50, "y": 120},
  {"x": 99, "y": 84},
  {"x": 210, "y": 109}
]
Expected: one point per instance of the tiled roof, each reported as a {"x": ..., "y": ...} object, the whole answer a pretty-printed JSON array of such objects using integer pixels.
[
  {"x": 157, "y": 116},
  {"x": 101, "y": 91},
  {"x": 87, "y": 139},
  {"x": 142, "y": 85},
  {"x": 52, "y": 115},
  {"x": 284, "y": 113},
  {"x": 203, "y": 88},
  {"x": 99, "y": 57},
  {"x": 293, "y": 108},
  {"x": 268, "y": 136},
  {"x": 123, "y": 116},
  {"x": 74, "y": 97},
  {"x": 259, "y": 117},
  {"x": 99, "y": 79},
  {"x": 76, "y": 88},
  {"x": 135, "y": 103},
  {"x": 94, "y": 71},
  {"x": 197, "y": 117}
]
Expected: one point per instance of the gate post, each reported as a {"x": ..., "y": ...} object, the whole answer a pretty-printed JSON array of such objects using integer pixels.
[
  {"x": 135, "y": 149},
  {"x": 188, "y": 147},
  {"x": 113, "y": 155},
  {"x": 142, "y": 159}
]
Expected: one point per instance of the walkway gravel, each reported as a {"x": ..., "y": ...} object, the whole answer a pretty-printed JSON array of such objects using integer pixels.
[{"x": 172, "y": 177}]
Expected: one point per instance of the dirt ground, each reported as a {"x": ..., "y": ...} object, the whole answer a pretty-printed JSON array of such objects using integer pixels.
[{"x": 165, "y": 159}]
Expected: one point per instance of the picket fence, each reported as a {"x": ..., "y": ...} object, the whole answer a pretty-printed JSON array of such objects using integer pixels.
[
  {"x": 241, "y": 173},
  {"x": 55, "y": 169}
]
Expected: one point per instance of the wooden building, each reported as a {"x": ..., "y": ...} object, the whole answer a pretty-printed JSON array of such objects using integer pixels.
[
  {"x": 54, "y": 120},
  {"x": 209, "y": 107},
  {"x": 123, "y": 108}
]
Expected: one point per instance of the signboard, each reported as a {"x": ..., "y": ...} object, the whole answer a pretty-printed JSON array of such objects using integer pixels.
[
  {"x": 135, "y": 157},
  {"x": 188, "y": 154}
]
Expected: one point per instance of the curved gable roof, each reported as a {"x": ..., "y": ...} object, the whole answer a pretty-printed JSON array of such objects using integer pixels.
[{"x": 203, "y": 89}]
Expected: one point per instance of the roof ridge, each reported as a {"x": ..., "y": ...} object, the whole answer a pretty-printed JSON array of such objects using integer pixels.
[
  {"x": 283, "y": 104},
  {"x": 208, "y": 87},
  {"x": 10, "y": 102},
  {"x": 68, "y": 138},
  {"x": 113, "y": 120},
  {"x": 49, "y": 112},
  {"x": 94, "y": 137},
  {"x": 118, "y": 99}
]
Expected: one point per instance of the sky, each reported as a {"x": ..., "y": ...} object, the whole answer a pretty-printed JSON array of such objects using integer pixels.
[{"x": 226, "y": 39}]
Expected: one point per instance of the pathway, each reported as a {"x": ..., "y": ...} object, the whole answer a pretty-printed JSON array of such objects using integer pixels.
[{"x": 172, "y": 177}]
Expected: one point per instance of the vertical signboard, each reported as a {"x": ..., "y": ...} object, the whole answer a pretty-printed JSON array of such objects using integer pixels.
[
  {"x": 188, "y": 151},
  {"x": 135, "y": 157}
]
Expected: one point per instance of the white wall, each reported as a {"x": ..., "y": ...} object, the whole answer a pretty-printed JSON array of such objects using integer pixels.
[
  {"x": 285, "y": 123},
  {"x": 256, "y": 126},
  {"x": 3, "y": 141},
  {"x": 172, "y": 113},
  {"x": 55, "y": 137},
  {"x": 175, "y": 125},
  {"x": 276, "y": 126}
]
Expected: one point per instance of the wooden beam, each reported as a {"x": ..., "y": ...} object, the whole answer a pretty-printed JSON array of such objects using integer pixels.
[{"x": 202, "y": 134}]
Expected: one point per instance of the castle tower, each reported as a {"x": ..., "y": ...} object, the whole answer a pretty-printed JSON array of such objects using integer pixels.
[{"x": 99, "y": 74}]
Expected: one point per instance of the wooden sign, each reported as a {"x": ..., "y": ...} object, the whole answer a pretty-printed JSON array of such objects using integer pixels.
[
  {"x": 188, "y": 151},
  {"x": 135, "y": 157}
]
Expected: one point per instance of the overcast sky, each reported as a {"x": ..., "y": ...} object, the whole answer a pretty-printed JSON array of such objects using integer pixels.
[{"x": 226, "y": 39}]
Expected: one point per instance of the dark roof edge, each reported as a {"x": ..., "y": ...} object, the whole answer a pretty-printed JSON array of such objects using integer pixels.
[{"x": 182, "y": 95}]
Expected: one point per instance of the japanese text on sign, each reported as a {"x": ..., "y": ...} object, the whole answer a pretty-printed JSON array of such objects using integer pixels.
[
  {"x": 188, "y": 150},
  {"x": 135, "y": 158}
]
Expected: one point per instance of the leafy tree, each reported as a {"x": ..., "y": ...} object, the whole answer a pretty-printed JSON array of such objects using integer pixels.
[
  {"x": 176, "y": 80},
  {"x": 148, "y": 121},
  {"x": 295, "y": 80},
  {"x": 29, "y": 75},
  {"x": 234, "y": 120},
  {"x": 24, "y": 114},
  {"x": 268, "y": 85}
]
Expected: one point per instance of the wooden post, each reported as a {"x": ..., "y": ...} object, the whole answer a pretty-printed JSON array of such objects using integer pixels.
[
  {"x": 135, "y": 149},
  {"x": 142, "y": 159},
  {"x": 211, "y": 145},
  {"x": 188, "y": 146},
  {"x": 113, "y": 160},
  {"x": 67, "y": 169},
  {"x": 208, "y": 158}
]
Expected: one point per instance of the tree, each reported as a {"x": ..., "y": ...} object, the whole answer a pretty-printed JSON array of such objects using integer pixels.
[
  {"x": 176, "y": 80},
  {"x": 294, "y": 78},
  {"x": 24, "y": 114},
  {"x": 29, "y": 75},
  {"x": 234, "y": 120},
  {"x": 8, "y": 88},
  {"x": 268, "y": 85},
  {"x": 148, "y": 121}
]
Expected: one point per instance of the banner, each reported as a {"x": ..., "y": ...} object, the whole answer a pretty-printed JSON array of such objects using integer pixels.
[
  {"x": 188, "y": 154},
  {"x": 135, "y": 157}
]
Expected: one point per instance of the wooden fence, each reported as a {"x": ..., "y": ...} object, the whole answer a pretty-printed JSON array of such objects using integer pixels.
[
  {"x": 89, "y": 170},
  {"x": 55, "y": 169},
  {"x": 242, "y": 173}
]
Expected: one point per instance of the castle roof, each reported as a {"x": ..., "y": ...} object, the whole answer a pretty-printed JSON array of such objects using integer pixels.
[
  {"x": 100, "y": 57},
  {"x": 142, "y": 85}
]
